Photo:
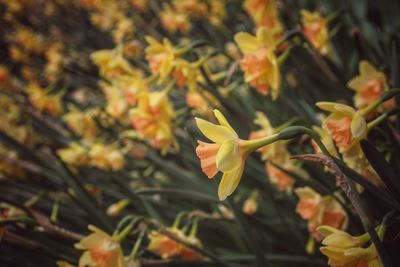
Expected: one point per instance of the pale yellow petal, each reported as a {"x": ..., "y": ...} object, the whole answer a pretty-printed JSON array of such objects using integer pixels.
[
  {"x": 358, "y": 126},
  {"x": 327, "y": 106},
  {"x": 229, "y": 182},
  {"x": 215, "y": 133},
  {"x": 221, "y": 119},
  {"x": 265, "y": 38},
  {"x": 85, "y": 259},
  {"x": 367, "y": 68},
  {"x": 229, "y": 157},
  {"x": 246, "y": 42},
  {"x": 357, "y": 82}
]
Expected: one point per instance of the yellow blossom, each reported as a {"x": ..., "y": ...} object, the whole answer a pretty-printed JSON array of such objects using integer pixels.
[
  {"x": 167, "y": 248},
  {"x": 101, "y": 250},
  {"x": 185, "y": 74},
  {"x": 174, "y": 21},
  {"x": 346, "y": 125},
  {"x": 315, "y": 27},
  {"x": 43, "y": 100},
  {"x": 227, "y": 154},
  {"x": 75, "y": 154},
  {"x": 343, "y": 249},
  {"x": 152, "y": 119},
  {"x": 369, "y": 85},
  {"x": 81, "y": 122},
  {"x": 319, "y": 210},
  {"x": 161, "y": 57},
  {"x": 265, "y": 14},
  {"x": 250, "y": 206},
  {"x": 106, "y": 157},
  {"x": 112, "y": 63},
  {"x": 259, "y": 62}
]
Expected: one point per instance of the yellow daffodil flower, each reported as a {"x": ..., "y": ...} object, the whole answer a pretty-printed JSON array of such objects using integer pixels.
[
  {"x": 75, "y": 154},
  {"x": 174, "y": 21},
  {"x": 152, "y": 119},
  {"x": 167, "y": 248},
  {"x": 43, "y": 100},
  {"x": 227, "y": 154},
  {"x": 101, "y": 250},
  {"x": 106, "y": 157},
  {"x": 259, "y": 63},
  {"x": 265, "y": 14},
  {"x": 250, "y": 205},
  {"x": 346, "y": 125},
  {"x": 315, "y": 27},
  {"x": 82, "y": 122},
  {"x": 343, "y": 249},
  {"x": 319, "y": 210},
  {"x": 369, "y": 85},
  {"x": 112, "y": 63},
  {"x": 161, "y": 57}
]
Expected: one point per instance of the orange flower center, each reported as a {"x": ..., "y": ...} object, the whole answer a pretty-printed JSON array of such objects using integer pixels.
[
  {"x": 194, "y": 100},
  {"x": 180, "y": 78},
  {"x": 167, "y": 247},
  {"x": 340, "y": 131},
  {"x": 155, "y": 61},
  {"x": 207, "y": 154},
  {"x": 100, "y": 256},
  {"x": 332, "y": 218},
  {"x": 307, "y": 208},
  {"x": 372, "y": 90},
  {"x": 256, "y": 65}
]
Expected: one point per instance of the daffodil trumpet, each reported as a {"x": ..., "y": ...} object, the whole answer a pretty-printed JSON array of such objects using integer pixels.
[
  {"x": 227, "y": 154},
  {"x": 374, "y": 105}
]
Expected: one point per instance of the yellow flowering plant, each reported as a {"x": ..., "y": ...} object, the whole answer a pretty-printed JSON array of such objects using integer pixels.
[{"x": 199, "y": 133}]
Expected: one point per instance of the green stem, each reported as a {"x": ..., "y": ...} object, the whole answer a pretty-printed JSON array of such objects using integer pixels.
[
  {"x": 136, "y": 247},
  {"x": 252, "y": 145}
]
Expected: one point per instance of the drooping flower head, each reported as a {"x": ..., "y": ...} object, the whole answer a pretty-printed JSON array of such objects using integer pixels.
[
  {"x": 343, "y": 249},
  {"x": 319, "y": 210},
  {"x": 369, "y": 85},
  {"x": 315, "y": 27},
  {"x": 259, "y": 62},
  {"x": 152, "y": 119},
  {"x": 265, "y": 14},
  {"x": 227, "y": 154},
  {"x": 101, "y": 250},
  {"x": 345, "y": 125},
  {"x": 161, "y": 57}
]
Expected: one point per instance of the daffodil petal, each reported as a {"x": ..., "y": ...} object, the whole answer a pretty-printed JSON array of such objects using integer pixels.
[
  {"x": 215, "y": 133},
  {"x": 228, "y": 156},
  {"x": 326, "y": 230},
  {"x": 357, "y": 82},
  {"x": 229, "y": 182},
  {"x": 366, "y": 68},
  {"x": 265, "y": 38},
  {"x": 246, "y": 42},
  {"x": 358, "y": 126},
  {"x": 344, "y": 109},
  {"x": 327, "y": 106},
  {"x": 221, "y": 119}
]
